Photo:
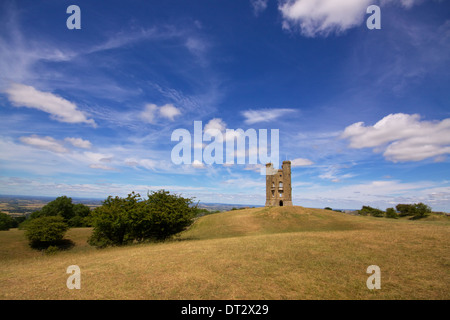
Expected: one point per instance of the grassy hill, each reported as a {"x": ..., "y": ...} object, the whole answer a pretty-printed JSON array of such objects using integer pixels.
[{"x": 259, "y": 253}]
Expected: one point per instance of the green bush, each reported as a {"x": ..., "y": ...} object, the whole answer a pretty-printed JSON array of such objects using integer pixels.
[
  {"x": 421, "y": 210},
  {"x": 121, "y": 221},
  {"x": 417, "y": 210},
  {"x": 111, "y": 222},
  {"x": 391, "y": 213},
  {"x": 164, "y": 215},
  {"x": 45, "y": 231},
  {"x": 366, "y": 210},
  {"x": 405, "y": 210},
  {"x": 6, "y": 221}
]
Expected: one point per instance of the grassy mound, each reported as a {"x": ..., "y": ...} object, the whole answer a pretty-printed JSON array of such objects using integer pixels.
[
  {"x": 261, "y": 253},
  {"x": 259, "y": 221}
]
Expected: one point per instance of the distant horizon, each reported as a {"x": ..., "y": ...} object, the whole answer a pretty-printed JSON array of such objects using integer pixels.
[{"x": 207, "y": 203}]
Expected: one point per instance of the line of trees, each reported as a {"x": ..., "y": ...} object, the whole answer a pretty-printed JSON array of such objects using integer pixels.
[{"x": 415, "y": 211}]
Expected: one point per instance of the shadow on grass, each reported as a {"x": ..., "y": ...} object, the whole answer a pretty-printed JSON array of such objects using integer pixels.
[
  {"x": 417, "y": 217},
  {"x": 60, "y": 245}
]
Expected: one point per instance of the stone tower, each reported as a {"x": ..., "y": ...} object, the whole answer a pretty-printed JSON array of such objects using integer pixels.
[{"x": 278, "y": 185}]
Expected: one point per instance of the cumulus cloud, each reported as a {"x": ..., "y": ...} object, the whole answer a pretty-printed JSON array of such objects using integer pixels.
[
  {"x": 216, "y": 124},
  {"x": 402, "y": 137},
  {"x": 59, "y": 108},
  {"x": 151, "y": 112},
  {"x": 169, "y": 111},
  {"x": 44, "y": 143},
  {"x": 264, "y": 115},
  {"x": 324, "y": 17}
]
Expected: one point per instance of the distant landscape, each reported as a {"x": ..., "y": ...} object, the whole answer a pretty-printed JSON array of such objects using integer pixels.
[{"x": 23, "y": 205}]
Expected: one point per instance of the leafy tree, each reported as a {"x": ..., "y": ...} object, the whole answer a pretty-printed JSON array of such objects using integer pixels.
[
  {"x": 17, "y": 220},
  {"x": 45, "y": 231},
  {"x": 112, "y": 225},
  {"x": 417, "y": 210},
  {"x": 405, "y": 210},
  {"x": 121, "y": 221},
  {"x": 391, "y": 213},
  {"x": 61, "y": 206},
  {"x": 165, "y": 214},
  {"x": 76, "y": 222},
  {"x": 421, "y": 210},
  {"x": 328, "y": 208},
  {"x": 81, "y": 210},
  {"x": 367, "y": 210},
  {"x": 73, "y": 214},
  {"x": 6, "y": 221}
]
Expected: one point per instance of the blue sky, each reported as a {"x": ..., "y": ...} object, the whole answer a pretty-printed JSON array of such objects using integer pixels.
[{"x": 363, "y": 114}]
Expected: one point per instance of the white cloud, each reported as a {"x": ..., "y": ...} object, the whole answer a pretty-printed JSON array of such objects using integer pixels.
[
  {"x": 216, "y": 124},
  {"x": 169, "y": 111},
  {"x": 45, "y": 143},
  {"x": 324, "y": 17},
  {"x": 264, "y": 115},
  {"x": 96, "y": 157},
  {"x": 301, "y": 162},
  {"x": 402, "y": 137},
  {"x": 149, "y": 112},
  {"x": 79, "y": 143},
  {"x": 51, "y": 144},
  {"x": 59, "y": 108},
  {"x": 152, "y": 111},
  {"x": 197, "y": 164}
]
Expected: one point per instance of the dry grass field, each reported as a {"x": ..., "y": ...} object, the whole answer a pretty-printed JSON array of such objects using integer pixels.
[{"x": 260, "y": 253}]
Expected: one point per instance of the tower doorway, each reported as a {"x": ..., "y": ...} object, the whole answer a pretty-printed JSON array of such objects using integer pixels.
[{"x": 281, "y": 203}]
